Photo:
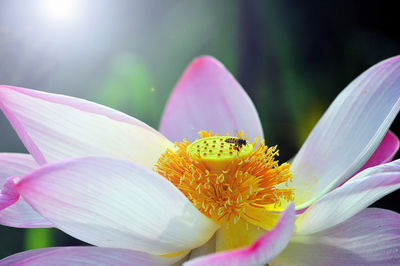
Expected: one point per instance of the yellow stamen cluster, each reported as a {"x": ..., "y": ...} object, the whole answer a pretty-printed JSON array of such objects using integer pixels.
[{"x": 224, "y": 176}]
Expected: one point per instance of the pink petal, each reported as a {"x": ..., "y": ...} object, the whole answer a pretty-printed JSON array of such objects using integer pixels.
[
  {"x": 8, "y": 194},
  {"x": 355, "y": 195},
  {"x": 56, "y": 127},
  {"x": 64, "y": 256},
  {"x": 384, "y": 153},
  {"x": 112, "y": 203},
  {"x": 19, "y": 214},
  {"x": 267, "y": 247},
  {"x": 207, "y": 97},
  {"x": 372, "y": 237},
  {"x": 348, "y": 133}
]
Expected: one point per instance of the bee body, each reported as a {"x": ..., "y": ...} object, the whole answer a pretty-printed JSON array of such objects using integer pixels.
[{"x": 239, "y": 143}]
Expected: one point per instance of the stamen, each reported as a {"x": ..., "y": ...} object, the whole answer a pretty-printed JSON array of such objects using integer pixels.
[{"x": 227, "y": 178}]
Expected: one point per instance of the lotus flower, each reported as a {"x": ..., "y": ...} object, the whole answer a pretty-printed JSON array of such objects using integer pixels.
[{"x": 114, "y": 182}]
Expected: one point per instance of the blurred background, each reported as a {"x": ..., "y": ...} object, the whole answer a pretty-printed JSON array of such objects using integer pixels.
[{"x": 292, "y": 57}]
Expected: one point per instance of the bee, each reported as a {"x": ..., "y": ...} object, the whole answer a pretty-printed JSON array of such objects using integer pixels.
[{"x": 239, "y": 143}]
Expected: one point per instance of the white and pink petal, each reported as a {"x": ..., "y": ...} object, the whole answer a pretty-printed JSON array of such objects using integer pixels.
[
  {"x": 112, "y": 203},
  {"x": 267, "y": 247},
  {"x": 56, "y": 127},
  {"x": 63, "y": 256},
  {"x": 348, "y": 133},
  {"x": 384, "y": 153},
  {"x": 207, "y": 97},
  {"x": 352, "y": 197}
]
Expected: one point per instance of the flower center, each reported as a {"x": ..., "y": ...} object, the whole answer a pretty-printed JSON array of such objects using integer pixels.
[
  {"x": 218, "y": 151},
  {"x": 227, "y": 178}
]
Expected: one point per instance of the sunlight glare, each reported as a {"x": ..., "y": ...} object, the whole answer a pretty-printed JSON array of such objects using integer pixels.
[{"x": 60, "y": 10}]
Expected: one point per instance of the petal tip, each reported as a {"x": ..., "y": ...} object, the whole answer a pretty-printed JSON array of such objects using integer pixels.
[
  {"x": 394, "y": 58},
  {"x": 389, "y": 62},
  {"x": 203, "y": 63},
  {"x": 205, "y": 60}
]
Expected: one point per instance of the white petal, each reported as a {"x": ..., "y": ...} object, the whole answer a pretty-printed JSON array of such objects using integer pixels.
[
  {"x": 112, "y": 203},
  {"x": 372, "y": 237},
  {"x": 342, "y": 203},
  {"x": 348, "y": 133}
]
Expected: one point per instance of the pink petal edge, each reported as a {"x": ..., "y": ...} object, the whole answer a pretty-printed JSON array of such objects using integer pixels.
[
  {"x": 82, "y": 105},
  {"x": 267, "y": 247}
]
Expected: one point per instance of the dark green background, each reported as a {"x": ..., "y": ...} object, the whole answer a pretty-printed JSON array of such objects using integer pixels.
[{"x": 292, "y": 57}]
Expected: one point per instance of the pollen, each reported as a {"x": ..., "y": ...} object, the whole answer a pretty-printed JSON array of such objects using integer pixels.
[{"x": 227, "y": 178}]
